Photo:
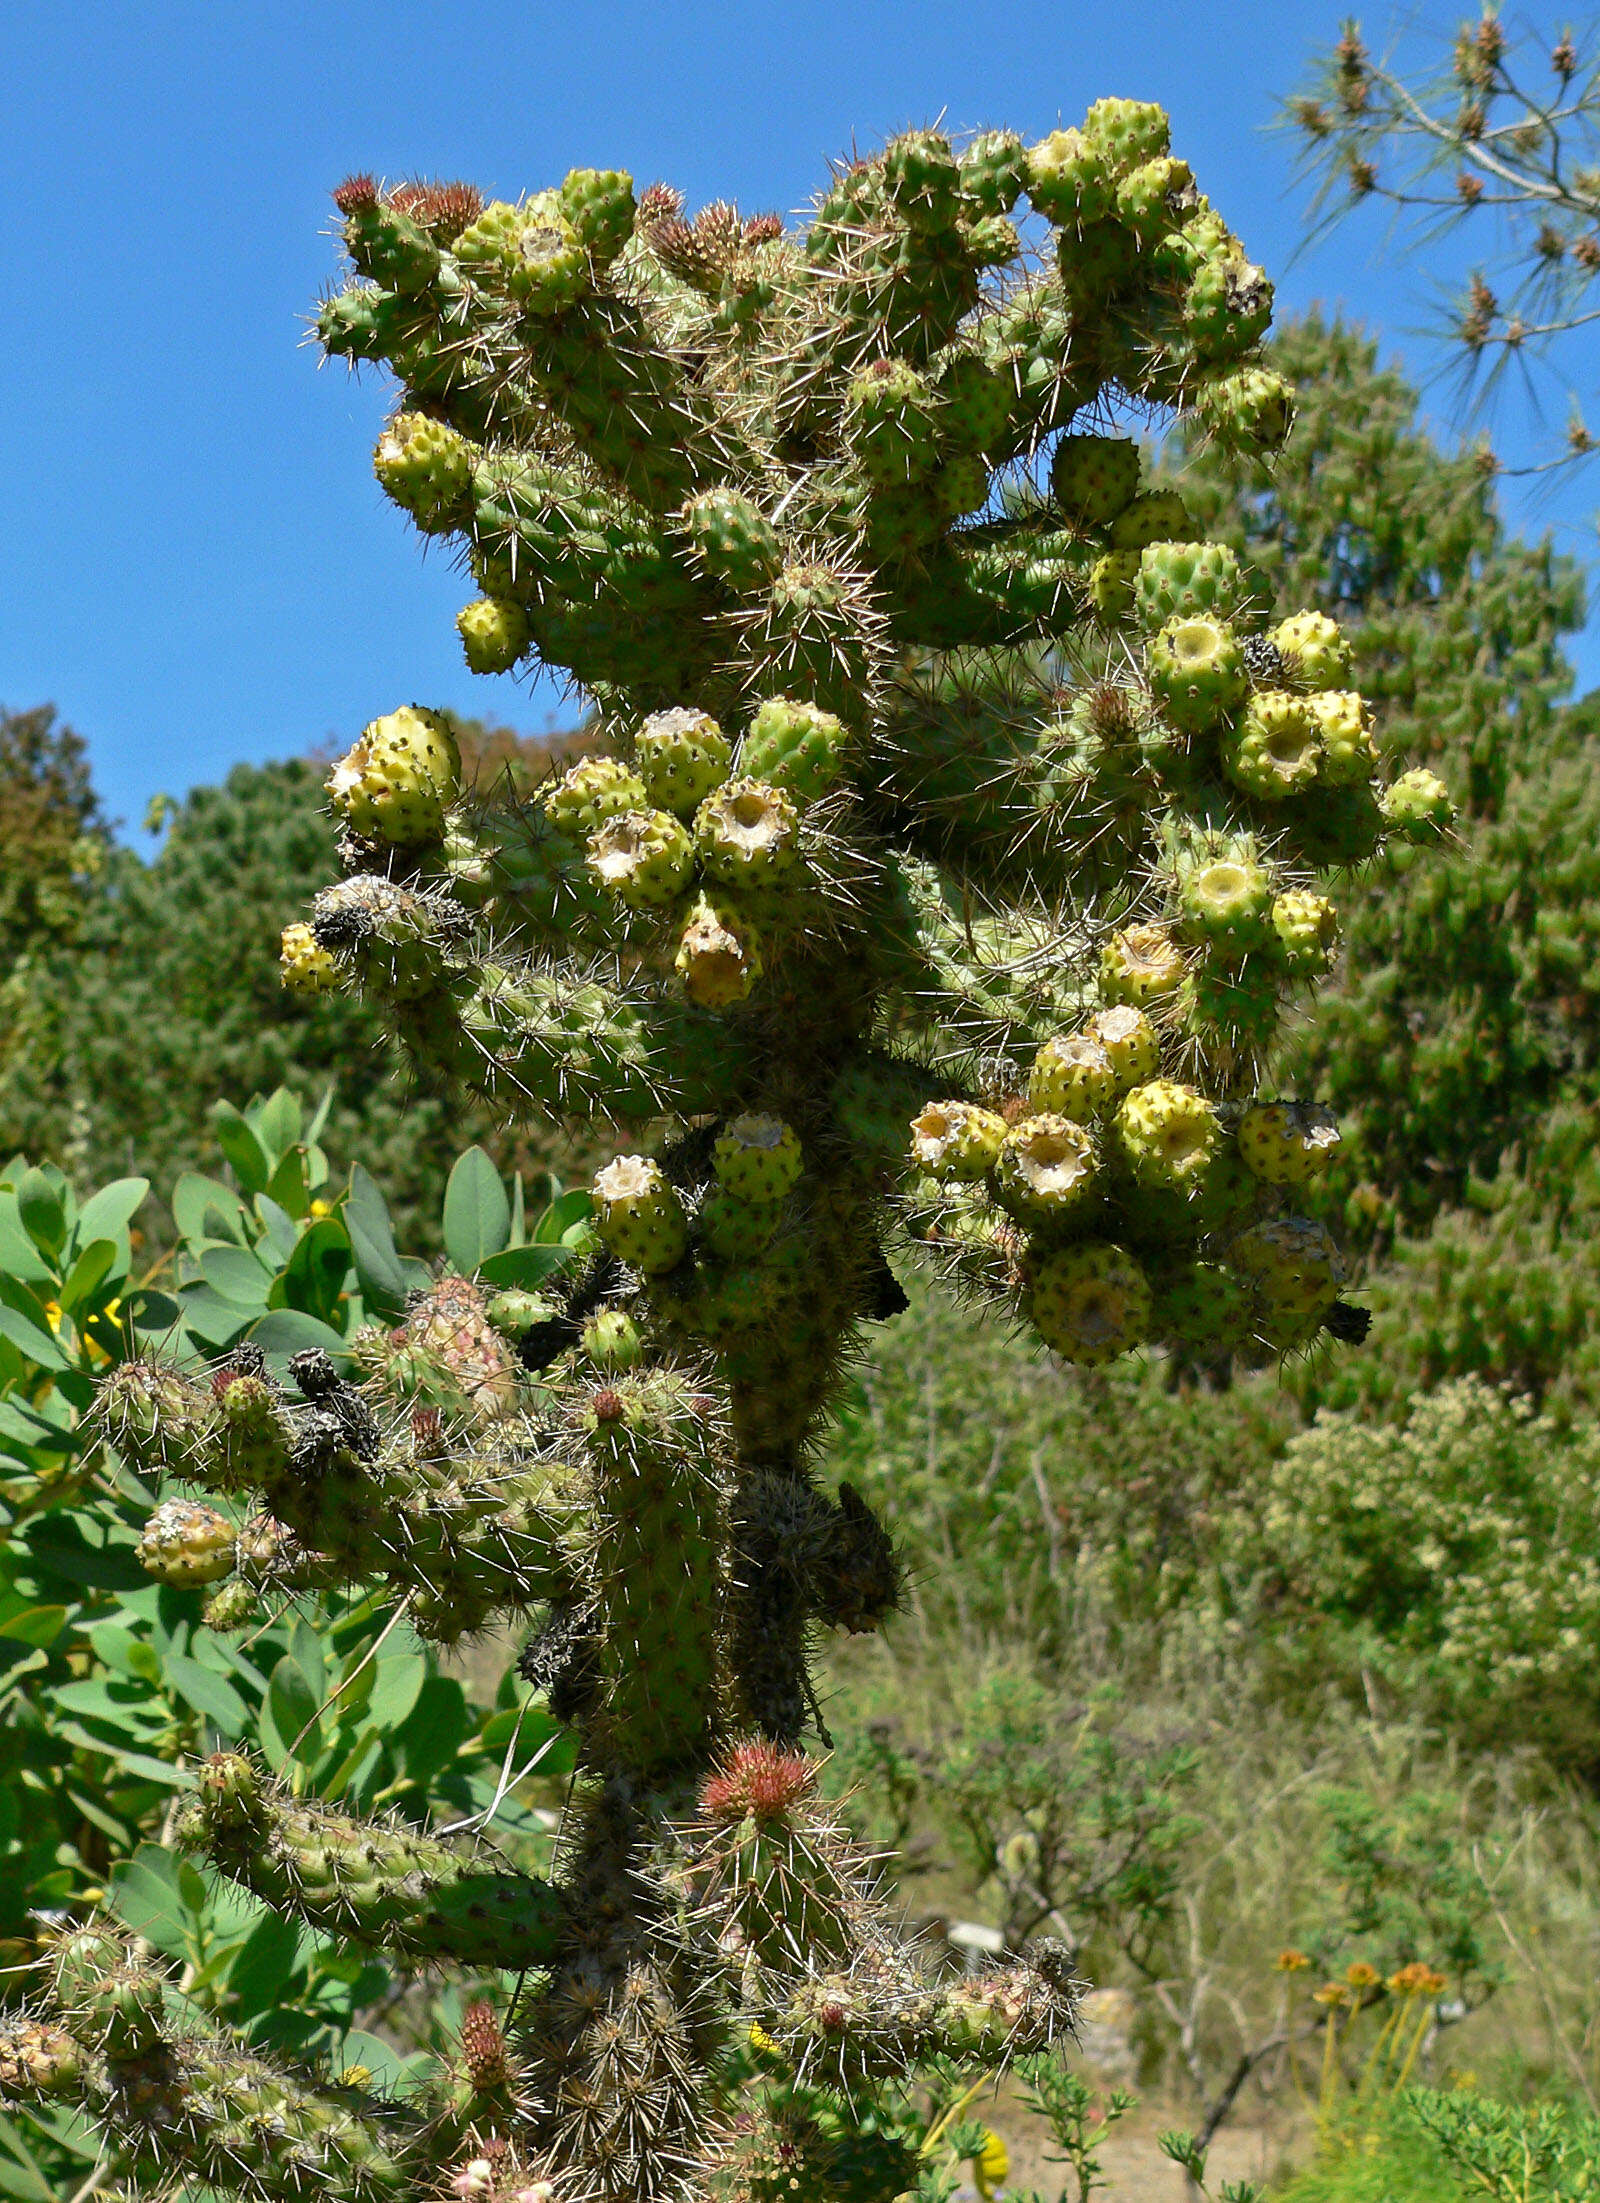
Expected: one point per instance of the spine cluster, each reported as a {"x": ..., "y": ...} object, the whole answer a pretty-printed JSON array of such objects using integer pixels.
[{"x": 958, "y": 836}]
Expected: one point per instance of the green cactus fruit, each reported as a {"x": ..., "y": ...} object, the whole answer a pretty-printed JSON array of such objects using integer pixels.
[
  {"x": 735, "y": 1230},
  {"x": 1196, "y": 671},
  {"x": 1315, "y": 651},
  {"x": 994, "y": 171},
  {"x": 1275, "y": 748},
  {"x": 1306, "y": 932},
  {"x": 1141, "y": 965},
  {"x": 590, "y": 792},
  {"x": 610, "y": 1339},
  {"x": 1068, "y": 180},
  {"x": 681, "y": 756},
  {"x": 796, "y": 747},
  {"x": 757, "y": 1158},
  {"x": 359, "y": 324},
  {"x": 427, "y": 469},
  {"x": 1090, "y": 1304},
  {"x": 746, "y": 833},
  {"x": 1288, "y": 1143},
  {"x": 494, "y": 634},
  {"x": 1203, "y": 1306},
  {"x": 250, "y": 1436},
  {"x": 1155, "y": 516},
  {"x": 599, "y": 204},
  {"x": 1130, "y": 1042},
  {"x": 956, "y": 1141},
  {"x": 718, "y": 956},
  {"x": 1072, "y": 1077},
  {"x": 640, "y": 1216},
  {"x": 891, "y": 422},
  {"x": 1096, "y": 264},
  {"x": 1128, "y": 132},
  {"x": 975, "y": 403},
  {"x": 1250, "y": 409},
  {"x": 733, "y": 540},
  {"x": 1186, "y": 580},
  {"x": 644, "y": 858},
  {"x": 1340, "y": 826},
  {"x": 1296, "y": 1270},
  {"x": 1166, "y": 1134},
  {"x": 1111, "y": 586},
  {"x": 923, "y": 179},
  {"x": 1048, "y": 1171},
  {"x": 1094, "y": 478},
  {"x": 303, "y": 967},
  {"x": 992, "y": 242},
  {"x": 1153, "y": 197},
  {"x": 231, "y": 1606},
  {"x": 1344, "y": 721},
  {"x": 514, "y": 1311},
  {"x": 1418, "y": 806},
  {"x": 1226, "y": 904},
  {"x": 1171, "y": 1220},
  {"x": 532, "y": 252},
  {"x": 384, "y": 242},
  {"x": 398, "y": 780},
  {"x": 186, "y": 1544},
  {"x": 1228, "y": 305}
]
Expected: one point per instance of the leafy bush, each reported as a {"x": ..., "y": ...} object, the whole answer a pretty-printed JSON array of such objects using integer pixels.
[{"x": 1456, "y": 1553}]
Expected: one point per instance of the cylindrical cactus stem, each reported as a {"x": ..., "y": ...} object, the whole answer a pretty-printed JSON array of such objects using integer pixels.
[
  {"x": 655, "y": 1477},
  {"x": 373, "y": 1883}
]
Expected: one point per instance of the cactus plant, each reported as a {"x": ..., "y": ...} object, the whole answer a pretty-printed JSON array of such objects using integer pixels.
[{"x": 881, "y": 952}]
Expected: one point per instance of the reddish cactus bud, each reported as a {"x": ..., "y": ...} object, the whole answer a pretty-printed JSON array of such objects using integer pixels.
[
  {"x": 356, "y": 195},
  {"x": 757, "y": 1781}
]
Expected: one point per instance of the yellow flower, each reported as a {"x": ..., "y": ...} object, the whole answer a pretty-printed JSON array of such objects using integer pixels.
[
  {"x": 1362, "y": 1976},
  {"x": 321, "y": 1208},
  {"x": 1291, "y": 1962},
  {"x": 990, "y": 2166}
]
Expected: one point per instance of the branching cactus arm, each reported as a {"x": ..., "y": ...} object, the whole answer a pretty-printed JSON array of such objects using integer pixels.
[{"x": 960, "y": 835}]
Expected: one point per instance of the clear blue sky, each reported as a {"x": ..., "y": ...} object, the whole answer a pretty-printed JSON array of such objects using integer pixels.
[{"x": 195, "y": 563}]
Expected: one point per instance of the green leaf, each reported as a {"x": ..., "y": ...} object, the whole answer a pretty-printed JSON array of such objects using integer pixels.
[
  {"x": 207, "y": 1693},
  {"x": 216, "y": 1321},
  {"x": 563, "y": 1213},
  {"x": 38, "y": 1345},
  {"x": 524, "y": 1267},
  {"x": 436, "y": 1728},
  {"x": 43, "y": 1212},
  {"x": 251, "y": 1162},
  {"x": 277, "y": 1123},
  {"x": 19, "y": 1257},
  {"x": 319, "y": 1121},
  {"x": 366, "y": 1219},
  {"x": 108, "y": 1213},
  {"x": 93, "y": 1266},
  {"x": 279, "y": 1235},
  {"x": 314, "y": 1278},
  {"x": 395, "y": 1693},
  {"x": 237, "y": 1275},
  {"x": 145, "y": 1895},
  {"x": 288, "y": 1183},
  {"x": 284, "y": 1331},
  {"x": 204, "y": 1208},
  {"x": 477, "y": 1214},
  {"x": 35, "y": 1625},
  {"x": 292, "y": 1706}
]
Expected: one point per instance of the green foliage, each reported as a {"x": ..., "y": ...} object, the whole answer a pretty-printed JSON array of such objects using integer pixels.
[{"x": 1514, "y": 2153}]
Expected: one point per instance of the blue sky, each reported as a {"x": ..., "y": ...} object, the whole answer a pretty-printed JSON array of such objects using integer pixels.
[{"x": 195, "y": 563}]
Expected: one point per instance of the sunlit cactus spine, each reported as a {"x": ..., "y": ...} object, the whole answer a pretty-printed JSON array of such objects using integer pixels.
[{"x": 959, "y": 837}]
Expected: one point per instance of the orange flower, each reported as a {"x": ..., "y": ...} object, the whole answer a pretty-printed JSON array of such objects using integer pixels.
[
  {"x": 1292, "y": 1962},
  {"x": 1333, "y": 1993},
  {"x": 1362, "y": 1976}
]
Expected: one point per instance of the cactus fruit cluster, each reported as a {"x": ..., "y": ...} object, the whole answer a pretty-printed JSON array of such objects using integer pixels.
[{"x": 959, "y": 836}]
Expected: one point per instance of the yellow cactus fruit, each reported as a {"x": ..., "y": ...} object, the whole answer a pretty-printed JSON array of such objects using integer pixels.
[
  {"x": 1090, "y": 1303},
  {"x": 1296, "y": 1270},
  {"x": 640, "y": 1215},
  {"x": 757, "y": 1158},
  {"x": 1314, "y": 651},
  {"x": 1073, "y": 1077},
  {"x": 1130, "y": 1040},
  {"x": 1141, "y": 964},
  {"x": 957, "y": 1140},
  {"x": 303, "y": 967},
  {"x": 719, "y": 955},
  {"x": 1047, "y": 1170},
  {"x": 1344, "y": 720},
  {"x": 184, "y": 1543},
  {"x": 644, "y": 858},
  {"x": 590, "y": 792},
  {"x": 1288, "y": 1143},
  {"x": 1167, "y": 1135},
  {"x": 399, "y": 779}
]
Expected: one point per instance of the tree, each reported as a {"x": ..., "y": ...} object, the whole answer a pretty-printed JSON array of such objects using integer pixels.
[
  {"x": 876, "y": 939},
  {"x": 1507, "y": 133},
  {"x": 53, "y": 847}
]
